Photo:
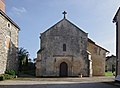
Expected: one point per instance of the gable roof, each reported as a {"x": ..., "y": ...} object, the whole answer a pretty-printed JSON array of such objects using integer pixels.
[
  {"x": 9, "y": 19},
  {"x": 91, "y": 41},
  {"x": 115, "y": 17},
  {"x": 64, "y": 19},
  {"x": 110, "y": 57}
]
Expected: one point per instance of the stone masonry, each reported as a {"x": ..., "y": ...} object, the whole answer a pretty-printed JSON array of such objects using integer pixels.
[
  {"x": 66, "y": 50},
  {"x": 98, "y": 57},
  {"x": 52, "y": 55},
  {"x": 8, "y": 43}
]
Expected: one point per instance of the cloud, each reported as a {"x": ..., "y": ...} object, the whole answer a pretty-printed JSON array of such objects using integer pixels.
[{"x": 18, "y": 11}]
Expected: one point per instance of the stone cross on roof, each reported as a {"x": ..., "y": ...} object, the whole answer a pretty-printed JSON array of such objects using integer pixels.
[{"x": 64, "y": 14}]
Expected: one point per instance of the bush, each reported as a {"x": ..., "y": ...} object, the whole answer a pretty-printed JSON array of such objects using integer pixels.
[
  {"x": 6, "y": 76},
  {"x": 2, "y": 77},
  {"x": 10, "y": 72}
]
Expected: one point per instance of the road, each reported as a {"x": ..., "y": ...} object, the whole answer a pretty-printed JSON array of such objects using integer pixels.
[{"x": 58, "y": 83}]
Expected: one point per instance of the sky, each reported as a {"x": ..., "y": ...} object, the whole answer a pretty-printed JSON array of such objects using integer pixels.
[{"x": 36, "y": 16}]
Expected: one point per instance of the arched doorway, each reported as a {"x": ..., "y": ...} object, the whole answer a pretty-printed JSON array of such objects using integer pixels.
[{"x": 63, "y": 69}]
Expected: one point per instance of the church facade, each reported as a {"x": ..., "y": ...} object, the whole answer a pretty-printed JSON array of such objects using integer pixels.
[
  {"x": 8, "y": 41},
  {"x": 64, "y": 52}
]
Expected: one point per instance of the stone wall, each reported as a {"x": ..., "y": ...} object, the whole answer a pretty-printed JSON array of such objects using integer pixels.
[
  {"x": 98, "y": 56},
  {"x": 52, "y": 54},
  {"x": 8, "y": 45}
]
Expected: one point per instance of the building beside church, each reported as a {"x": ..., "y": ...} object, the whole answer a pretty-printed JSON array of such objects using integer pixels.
[
  {"x": 116, "y": 20},
  {"x": 98, "y": 57},
  {"x": 110, "y": 63},
  {"x": 66, "y": 50},
  {"x": 8, "y": 41}
]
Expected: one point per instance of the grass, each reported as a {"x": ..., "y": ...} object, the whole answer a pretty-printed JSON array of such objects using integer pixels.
[{"x": 108, "y": 74}]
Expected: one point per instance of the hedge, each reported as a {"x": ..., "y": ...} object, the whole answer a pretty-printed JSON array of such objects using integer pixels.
[
  {"x": 2, "y": 77},
  {"x": 6, "y": 76},
  {"x": 10, "y": 74}
]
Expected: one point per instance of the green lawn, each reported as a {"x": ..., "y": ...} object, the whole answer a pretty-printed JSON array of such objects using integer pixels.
[{"x": 108, "y": 74}]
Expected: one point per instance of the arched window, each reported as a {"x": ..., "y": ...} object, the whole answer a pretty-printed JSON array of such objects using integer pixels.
[{"x": 64, "y": 47}]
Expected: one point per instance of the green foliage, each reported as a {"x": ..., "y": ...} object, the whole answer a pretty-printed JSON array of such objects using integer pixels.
[
  {"x": 113, "y": 68},
  {"x": 2, "y": 77},
  {"x": 11, "y": 72},
  {"x": 6, "y": 76},
  {"x": 23, "y": 58},
  {"x": 29, "y": 69}
]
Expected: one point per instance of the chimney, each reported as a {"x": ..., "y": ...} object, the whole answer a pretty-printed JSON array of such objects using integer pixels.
[{"x": 2, "y": 5}]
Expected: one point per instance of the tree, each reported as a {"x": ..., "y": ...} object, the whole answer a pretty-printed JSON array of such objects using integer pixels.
[
  {"x": 23, "y": 55},
  {"x": 113, "y": 68}
]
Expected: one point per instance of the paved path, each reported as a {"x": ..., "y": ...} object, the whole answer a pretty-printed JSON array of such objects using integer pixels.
[{"x": 94, "y": 82}]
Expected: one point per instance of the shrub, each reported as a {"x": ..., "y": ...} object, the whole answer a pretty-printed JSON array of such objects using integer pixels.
[
  {"x": 7, "y": 76},
  {"x": 2, "y": 77},
  {"x": 10, "y": 72}
]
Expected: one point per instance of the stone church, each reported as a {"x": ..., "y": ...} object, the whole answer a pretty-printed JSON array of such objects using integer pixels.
[
  {"x": 66, "y": 50},
  {"x": 8, "y": 41}
]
